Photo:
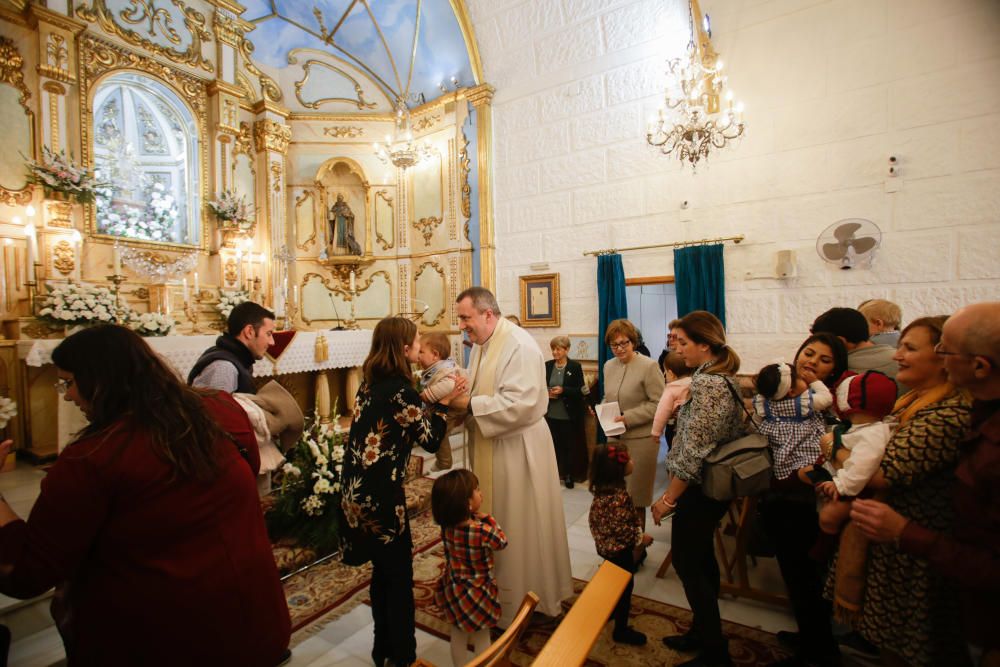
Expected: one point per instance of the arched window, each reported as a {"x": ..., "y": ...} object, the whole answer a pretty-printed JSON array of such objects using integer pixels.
[{"x": 146, "y": 151}]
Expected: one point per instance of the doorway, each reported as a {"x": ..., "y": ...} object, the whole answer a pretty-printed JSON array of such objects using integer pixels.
[{"x": 652, "y": 304}]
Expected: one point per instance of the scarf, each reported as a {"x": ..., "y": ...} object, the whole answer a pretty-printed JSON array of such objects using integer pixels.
[
  {"x": 852, "y": 559},
  {"x": 482, "y": 370}
]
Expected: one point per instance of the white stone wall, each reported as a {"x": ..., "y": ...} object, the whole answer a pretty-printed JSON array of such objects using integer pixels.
[{"x": 832, "y": 88}]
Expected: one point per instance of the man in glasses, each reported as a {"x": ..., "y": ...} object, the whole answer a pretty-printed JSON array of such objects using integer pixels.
[{"x": 970, "y": 554}]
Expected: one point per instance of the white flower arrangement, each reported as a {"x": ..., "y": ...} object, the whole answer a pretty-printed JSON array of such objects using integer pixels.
[
  {"x": 80, "y": 303},
  {"x": 152, "y": 324},
  {"x": 233, "y": 209},
  {"x": 57, "y": 172},
  {"x": 8, "y": 410},
  {"x": 305, "y": 507},
  {"x": 228, "y": 300},
  {"x": 156, "y": 221}
]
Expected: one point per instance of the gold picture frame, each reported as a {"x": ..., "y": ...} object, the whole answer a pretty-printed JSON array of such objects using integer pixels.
[{"x": 540, "y": 300}]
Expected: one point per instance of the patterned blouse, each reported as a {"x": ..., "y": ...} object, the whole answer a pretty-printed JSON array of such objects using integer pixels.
[
  {"x": 710, "y": 417},
  {"x": 614, "y": 522},
  {"x": 467, "y": 591},
  {"x": 389, "y": 419},
  {"x": 793, "y": 427}
]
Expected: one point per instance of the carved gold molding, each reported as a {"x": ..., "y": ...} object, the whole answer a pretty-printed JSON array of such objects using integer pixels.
[
  {"x": 246, "y": 90},
  {"x": 384, "y": 196},
  {"x": 424, "y": 122},
  {"x": 230, "y": 271},
  {"x": 65, "y": 260},
  {"x": 342, "y": 279},
  {"x": 444, "y": 289},
  {"x": 465, "y": 164},
  {"x": 268, "y": 87},
  {"x": 271, "y": 136},
  {"x": 243, "y": 144},
  {"x": 426, "y": 226},
  {"x": 98, "y": 58},
  {"x": 360, "y": 102},
  {"x": 339, "y": 131},
  {"x": 11, "y": 63},
  {"x": 307, "y": 197},
  {"x": 59, "y": 214},
  {"x": 228, "y": 30},
  {"x": 146, "y": 12}
]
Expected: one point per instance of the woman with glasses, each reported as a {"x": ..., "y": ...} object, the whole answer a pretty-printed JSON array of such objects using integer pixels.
[
  {"x": 907, "y": 610},
  {"x": 149, "y": 522},
  {"x": 636, "y": 383}
]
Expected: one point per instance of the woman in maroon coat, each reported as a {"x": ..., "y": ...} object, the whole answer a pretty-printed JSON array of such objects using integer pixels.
[{"x": 149, "y": 523}]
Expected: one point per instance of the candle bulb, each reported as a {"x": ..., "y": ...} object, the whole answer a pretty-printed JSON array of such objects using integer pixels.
[
  {"x": 116, "y": 260},
  {"x": 353, "y": 283}
]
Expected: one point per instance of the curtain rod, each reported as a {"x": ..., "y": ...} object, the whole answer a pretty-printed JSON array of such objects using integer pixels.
[{"x": 678, "y": 244}]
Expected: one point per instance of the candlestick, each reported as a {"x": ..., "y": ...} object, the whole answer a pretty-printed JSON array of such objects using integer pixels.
[
  {"x": 116, "y": 259},
  {"x": 32, "y": 243}
]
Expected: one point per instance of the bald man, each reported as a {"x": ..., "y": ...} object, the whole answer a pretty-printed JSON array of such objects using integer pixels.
[{"x": 970, "y": 554}]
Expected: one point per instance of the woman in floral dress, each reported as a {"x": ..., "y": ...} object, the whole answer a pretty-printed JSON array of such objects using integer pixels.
[{"x": 389, "y": 419}]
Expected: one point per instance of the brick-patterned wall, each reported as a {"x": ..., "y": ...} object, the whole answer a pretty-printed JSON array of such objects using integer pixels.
[{"x": 832, "y": 88}]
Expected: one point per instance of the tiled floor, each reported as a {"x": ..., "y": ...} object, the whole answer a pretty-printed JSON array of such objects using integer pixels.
[{"x": 347, "y": 641}]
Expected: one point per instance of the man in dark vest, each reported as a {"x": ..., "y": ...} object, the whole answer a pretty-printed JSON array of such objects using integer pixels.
[{"x": 228, "y": 365}]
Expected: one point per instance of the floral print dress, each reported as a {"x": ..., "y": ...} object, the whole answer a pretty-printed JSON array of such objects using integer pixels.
[{"x": 389, "y": 419}]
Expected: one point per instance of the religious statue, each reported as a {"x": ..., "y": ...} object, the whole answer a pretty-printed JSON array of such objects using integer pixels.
[{"x": 341, "y": 226}]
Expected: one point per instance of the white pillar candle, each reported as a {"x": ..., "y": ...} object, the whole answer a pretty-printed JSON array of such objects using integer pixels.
[
  {"x": 295, "y": 294},
  {"x": 239, "y": 269},
  {"x": 32, "y": 243},
  {"x": 116, "y": 260},
  {"x": 353, "y": 282},
  {"x": 184, "y": 289},
  {"x": 197, "y": 287},
  {"x": 77, "y": 254}
]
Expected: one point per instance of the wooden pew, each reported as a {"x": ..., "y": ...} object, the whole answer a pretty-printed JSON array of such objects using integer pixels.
[{"x": 570, "y": 644}]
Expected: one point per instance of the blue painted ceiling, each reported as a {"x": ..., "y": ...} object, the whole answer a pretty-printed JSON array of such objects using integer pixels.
[{"x": 377, "y": 36}]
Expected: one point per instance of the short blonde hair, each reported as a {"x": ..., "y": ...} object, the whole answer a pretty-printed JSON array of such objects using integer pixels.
[
  {"x": 437, "y": 342},
  {"x": 560, "y": 341},
  {"x": 621, "y": 328},
  {"x": 880, "y": 309}
]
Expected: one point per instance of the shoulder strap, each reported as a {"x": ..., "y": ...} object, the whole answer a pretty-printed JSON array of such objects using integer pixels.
[{"x": 739, "y": 401}]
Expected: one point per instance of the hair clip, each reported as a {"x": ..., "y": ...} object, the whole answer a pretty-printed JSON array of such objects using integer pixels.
[{"x": 616, "y": 453}]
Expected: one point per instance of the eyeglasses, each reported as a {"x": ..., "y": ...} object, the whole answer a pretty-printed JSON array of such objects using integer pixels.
[
  {"x": 939, "y": 350},
  {"x": 62, "y": 385},
  {"x": 620, "y": 345}
]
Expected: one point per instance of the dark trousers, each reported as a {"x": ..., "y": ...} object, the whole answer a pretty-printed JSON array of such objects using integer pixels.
[
  {"x": 692, "y": 539},
  {"x": 571, "y": 448},
  {"x": 393, "y": 609},
  {"x": 626, "y": 561},
  {"x": 792, "y": 525}
]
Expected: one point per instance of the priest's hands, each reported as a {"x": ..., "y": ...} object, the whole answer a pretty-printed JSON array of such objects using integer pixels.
[{"x": 458, "y": 399}]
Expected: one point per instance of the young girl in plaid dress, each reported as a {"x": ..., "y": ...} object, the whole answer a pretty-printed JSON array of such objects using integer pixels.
[{"x": 467, "y": 591}]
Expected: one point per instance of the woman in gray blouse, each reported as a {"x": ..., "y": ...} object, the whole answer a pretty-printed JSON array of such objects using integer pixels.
[
  {"x": 636, "y": 382},
  {"x": 711, "y": 416}
]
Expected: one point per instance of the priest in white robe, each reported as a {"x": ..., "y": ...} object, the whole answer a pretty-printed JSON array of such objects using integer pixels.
[{"x": 512, "y": 455}]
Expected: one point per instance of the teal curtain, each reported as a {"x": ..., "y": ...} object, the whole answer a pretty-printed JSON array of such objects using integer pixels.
[
  {"x": 612, "y": 305},
  {"x": 700, "y": 280}
]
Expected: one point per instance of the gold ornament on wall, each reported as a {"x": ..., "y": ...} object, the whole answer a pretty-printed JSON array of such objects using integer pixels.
[
  {"x": 360, "y": 102},
  {"x": 271, "y": 136},
  {"x": 465, "y": 164},
  {"x": 268, "y": 87},
  {"x": 155, "y": 19},
  {"x": 65, "y": 259},
  {"x": 56, "y": 54},
  {"x": 339, "y": 131},
  {"x": 11, "y": 63},
  {"x": 59, "y": 214},
  {"x": 426, "y": 226}
]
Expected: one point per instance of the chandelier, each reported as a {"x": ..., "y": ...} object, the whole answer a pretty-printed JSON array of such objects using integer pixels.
[
  {"x": 400, "y": 149},
  {"x": 694, "y": 88}
]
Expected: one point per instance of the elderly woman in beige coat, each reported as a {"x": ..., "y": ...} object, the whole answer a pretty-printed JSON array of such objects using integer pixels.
[{"x": 636, "y": 383}]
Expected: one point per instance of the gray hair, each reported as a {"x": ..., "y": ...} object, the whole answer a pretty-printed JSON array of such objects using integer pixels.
[
  {"x": 560, "y": 341},
  {"x": 482, "y": 299}
]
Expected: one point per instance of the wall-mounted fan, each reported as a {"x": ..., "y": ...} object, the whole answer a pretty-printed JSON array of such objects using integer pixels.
[{"x": 849, "y": 243}]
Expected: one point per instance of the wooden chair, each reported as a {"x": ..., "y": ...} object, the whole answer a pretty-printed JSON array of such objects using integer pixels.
[
  {"x": 571, "y": 642},
  {"x": 498, "y": 654}
]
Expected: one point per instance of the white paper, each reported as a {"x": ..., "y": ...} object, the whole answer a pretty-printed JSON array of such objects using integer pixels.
[{"x": 606, "y": 413}]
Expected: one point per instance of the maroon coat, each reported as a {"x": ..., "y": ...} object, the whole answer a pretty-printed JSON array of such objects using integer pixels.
[{"x": 158, "y": 572}]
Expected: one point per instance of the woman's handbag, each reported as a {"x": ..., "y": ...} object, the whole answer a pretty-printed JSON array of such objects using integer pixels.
[{"x": 738, "y": 468}]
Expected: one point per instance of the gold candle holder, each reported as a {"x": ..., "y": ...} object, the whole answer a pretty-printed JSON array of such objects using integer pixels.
[{"x": 116, "y": 280}]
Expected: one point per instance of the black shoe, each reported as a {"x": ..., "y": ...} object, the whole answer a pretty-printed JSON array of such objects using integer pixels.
[
  {"x": 853, "y": 641},
  {"x": 569, "y": 483},
  {"x": 788, "y": 639},
  {"x": 285, "y": 658},
  {"x": 683, "y": 643},
  {"x": 629, "y": 636}
]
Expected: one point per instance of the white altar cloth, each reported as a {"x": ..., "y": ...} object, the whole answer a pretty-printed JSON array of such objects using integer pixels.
[{"x": 348, "y": 349}]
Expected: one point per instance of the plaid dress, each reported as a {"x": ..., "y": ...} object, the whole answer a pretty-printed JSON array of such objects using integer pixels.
[
  {"x": 793, "y": 427},
  {"x": 467, "y": 591}
]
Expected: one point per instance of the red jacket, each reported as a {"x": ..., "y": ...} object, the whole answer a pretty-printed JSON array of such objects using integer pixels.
[
  {"x": 971, "y": 553},
  {"x": 158, "y": 572}
]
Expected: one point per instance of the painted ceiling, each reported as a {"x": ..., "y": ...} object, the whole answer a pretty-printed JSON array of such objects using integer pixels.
[{"x": 384, "y": 49}]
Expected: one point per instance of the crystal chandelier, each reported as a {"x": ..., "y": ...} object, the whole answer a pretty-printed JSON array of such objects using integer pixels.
[
  {"x": 694, "y": 87},
  {"x": 400, "y": 149}
]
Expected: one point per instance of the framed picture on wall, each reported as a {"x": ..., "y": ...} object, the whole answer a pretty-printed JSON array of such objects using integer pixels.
[
  {"x": 583, "y": 347},
  {"x": 540, "y": 300}
]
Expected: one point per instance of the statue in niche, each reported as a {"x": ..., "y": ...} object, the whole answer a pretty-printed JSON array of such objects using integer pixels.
[{"x": 341, "y": 225}]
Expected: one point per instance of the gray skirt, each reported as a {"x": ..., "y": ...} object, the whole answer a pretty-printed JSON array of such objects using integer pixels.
[{"x": 643, "y": 451}]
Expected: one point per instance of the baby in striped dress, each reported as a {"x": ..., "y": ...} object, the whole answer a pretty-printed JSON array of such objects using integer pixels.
[{"x": 467, "y": 590}]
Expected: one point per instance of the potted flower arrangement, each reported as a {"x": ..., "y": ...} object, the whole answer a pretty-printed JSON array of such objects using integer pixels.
[
  {"x": 155, "y": 221},
  {"x": 80, "y": 304},
  {"x": 306, "y": 506},
  {"x": 152, "y": 324},
  {"x": 227, "y": 300},
  {"x": 233, "y": 212},
  {"x": 61, "y": 178}
]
